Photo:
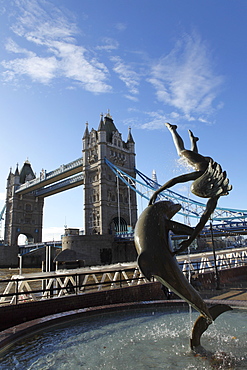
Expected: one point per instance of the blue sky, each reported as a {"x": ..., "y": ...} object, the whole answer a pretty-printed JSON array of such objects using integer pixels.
[{"x": 64, "y": 62}]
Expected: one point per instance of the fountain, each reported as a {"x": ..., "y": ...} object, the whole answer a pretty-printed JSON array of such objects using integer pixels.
[
  {"x": 155, "y": 255},
  {"x": 131, "y": 339}
]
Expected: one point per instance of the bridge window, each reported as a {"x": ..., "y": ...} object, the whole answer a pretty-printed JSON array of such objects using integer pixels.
[
  {"x": 120, "y": 225},
  {"x": 28, "y": 207}
]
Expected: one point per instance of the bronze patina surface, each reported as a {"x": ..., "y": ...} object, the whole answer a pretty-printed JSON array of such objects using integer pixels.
[{"x": 155, "y": 256}]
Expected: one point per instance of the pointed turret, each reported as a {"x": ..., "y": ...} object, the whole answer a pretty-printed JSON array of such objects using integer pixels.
[
  {"x": 10, "y": 182},
  {"x": 109, "y": 126},
  {"x": 26, "y": 173},
  {"x": 102, "y": 131},
  {"x": 17, "y": 170},
  {"x": 155, "y": 180},
  {"x": 130, "y": 142},
  {"x": 154, "y": 176},
  {"x": 101, "y": 124},
  {"x": 10, "y": 174},
  {"x": 130, "y": 137},
  {"x": 17, "y": 176},
  {"x": 86, "y": 132}
]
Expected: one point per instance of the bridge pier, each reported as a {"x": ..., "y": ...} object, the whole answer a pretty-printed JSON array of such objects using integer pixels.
[
  {"x": 9, "y": 256},
  {"x": 99, "y": 249}
]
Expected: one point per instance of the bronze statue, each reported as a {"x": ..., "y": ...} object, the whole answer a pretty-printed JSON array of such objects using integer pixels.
[
  {"x": 155, "y": 255},
  {"x": 209, "y": 180}
]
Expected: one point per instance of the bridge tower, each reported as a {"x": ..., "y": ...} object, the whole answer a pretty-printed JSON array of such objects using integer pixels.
[
  {"x": 24, "y": 213},
  {"x": 109, "y": 205}
]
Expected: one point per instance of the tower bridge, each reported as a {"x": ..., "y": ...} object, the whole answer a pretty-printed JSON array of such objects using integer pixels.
[
  {"x": 107, "y": 209},
  {"x": 111, "y": 184}
]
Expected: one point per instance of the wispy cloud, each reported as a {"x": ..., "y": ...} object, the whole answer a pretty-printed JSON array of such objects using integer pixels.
[
  {"x": 44, "y": 47},
  {"x": 108, "y": 44},
  {"x": 39, "y": 69},
  {"x": 56, "y": 51},
  {"x": 121, "y": 26},
  {"x": 126, "y": 74},
  {"x": 154, "y": 121},
  {"x": 185, "y": 78}
]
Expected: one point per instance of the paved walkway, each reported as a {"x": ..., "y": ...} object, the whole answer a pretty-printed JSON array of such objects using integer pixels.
[{"x": 233, "y": 292}]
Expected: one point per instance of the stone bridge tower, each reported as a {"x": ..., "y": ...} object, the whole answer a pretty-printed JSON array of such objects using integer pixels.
[
  {"x": 109, "y": 205},
  {"x": 24, "y": 213}
]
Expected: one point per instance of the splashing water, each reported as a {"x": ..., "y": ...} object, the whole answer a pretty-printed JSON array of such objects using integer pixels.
[{"x": 146, "y": 339}]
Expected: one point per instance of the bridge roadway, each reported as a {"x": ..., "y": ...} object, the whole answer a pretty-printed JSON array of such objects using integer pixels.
[{"x": 39, "y": 184}]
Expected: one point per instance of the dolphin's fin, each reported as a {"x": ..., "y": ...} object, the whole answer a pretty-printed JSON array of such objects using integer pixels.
[{"x": 202, "y": 323}]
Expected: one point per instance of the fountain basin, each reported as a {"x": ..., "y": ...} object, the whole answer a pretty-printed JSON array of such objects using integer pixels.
[{"x": 127, "y": 336}]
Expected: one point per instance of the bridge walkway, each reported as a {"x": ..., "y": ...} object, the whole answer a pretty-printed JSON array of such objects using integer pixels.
[{"x": 62, "y": 172}]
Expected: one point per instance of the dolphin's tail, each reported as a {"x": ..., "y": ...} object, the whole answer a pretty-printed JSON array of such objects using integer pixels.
[{"x": 202, "y": 324}]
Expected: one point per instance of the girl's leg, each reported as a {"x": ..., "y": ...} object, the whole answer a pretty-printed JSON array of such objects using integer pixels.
[
  {"x": 178, "y": 141},
  {"x": 193, "y": 140}
]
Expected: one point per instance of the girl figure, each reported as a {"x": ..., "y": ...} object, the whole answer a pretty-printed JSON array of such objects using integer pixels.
[{"x": 209, "y": 181}]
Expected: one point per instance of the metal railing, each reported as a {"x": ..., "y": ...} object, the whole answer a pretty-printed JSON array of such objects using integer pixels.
[
  {"x": 35, "y": 287},
  {"x": 43, "y": 178},
  {"x": 204, "y": 262},
  {"x": 48, "y": 285}
]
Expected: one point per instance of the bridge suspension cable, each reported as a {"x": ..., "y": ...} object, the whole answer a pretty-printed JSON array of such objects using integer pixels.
[{"x": 189, "y": 206}]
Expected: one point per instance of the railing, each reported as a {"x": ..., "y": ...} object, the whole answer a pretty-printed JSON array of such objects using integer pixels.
[
  {"x": 65, "y": 167},
  {"x": 204, "y": 262},
  {"x": 50, "y": 175},
  {"x": 35, "y": 287}
]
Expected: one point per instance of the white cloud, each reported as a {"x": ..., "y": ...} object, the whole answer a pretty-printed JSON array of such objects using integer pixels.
[
  {"x": 185, "y": 80},
  {"x": 52, "y": 233},
  {"x": 13, "y": 47},
  {"x": 126, "y": 74},
  {"x": 38, "y": 69},
  {"x": 56, "y": 53},
  {"x": 132, "y": 98},
  {"x": 37, "y": 24},
  {"x": 154, "y": 121},
  {"x": 121, "y": 26},
  {"x": 108, "y": 44}
]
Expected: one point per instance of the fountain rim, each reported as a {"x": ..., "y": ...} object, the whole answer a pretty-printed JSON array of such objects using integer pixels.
[{"x": 16, "y": 333}]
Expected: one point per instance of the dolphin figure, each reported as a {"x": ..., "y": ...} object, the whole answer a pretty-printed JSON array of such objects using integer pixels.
[{"x": 156, "y": 259}]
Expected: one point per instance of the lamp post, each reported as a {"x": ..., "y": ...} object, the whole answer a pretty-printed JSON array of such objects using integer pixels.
[{"x": 217, "y": 276}]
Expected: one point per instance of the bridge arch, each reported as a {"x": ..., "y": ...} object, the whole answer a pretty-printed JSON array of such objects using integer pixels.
[
  {"x": 24, "y": 238},
  {"x": 118, "y": 224}
]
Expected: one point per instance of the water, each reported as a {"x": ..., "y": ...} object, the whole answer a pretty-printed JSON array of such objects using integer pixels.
[{"x": 140, "y": 340}]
